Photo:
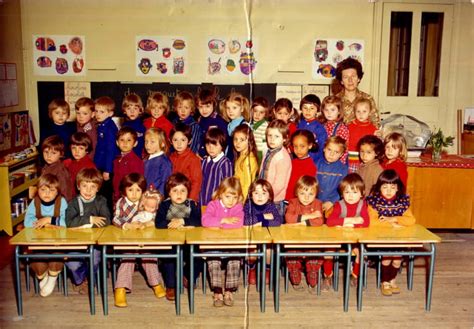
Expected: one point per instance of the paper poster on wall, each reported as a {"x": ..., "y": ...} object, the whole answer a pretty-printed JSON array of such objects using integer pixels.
[
  {"x": 21, "y": 123},
  {"x": 61, "y": 55},
  {"x": 73, "y": 91},
  {"x": 5, "y": 132},
  {"x": 161, "y": 56},
  {"x": 329, "y": 52},
  {"x": 292, "y": 92},
  {"x": 229, "y": 56},
  {"x": 8, "y": 85},
  {"x": 319, "y": 90}
]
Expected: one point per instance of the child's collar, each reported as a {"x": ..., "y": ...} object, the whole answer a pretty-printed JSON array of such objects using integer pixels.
[{"x": 155, "y": 155}]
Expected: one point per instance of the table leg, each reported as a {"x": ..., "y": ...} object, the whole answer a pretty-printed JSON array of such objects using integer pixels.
[
  {"x": 179, "y": 281},
  {"x": 276, "y": 289},
  {"x": 410, "y": 269},
  {"x": 191, "y": 281},
  {"x": 263, "y": 286},
  {"x": 181, "y": 262},
  {"x": 430, "y": 277},
  {"x": 347, "y": 278},
  {"x": 105, "y": 303},
  {"x": 19, "y": 302},
  {"x": 363, "y": 272},
  {"x": 270, "y": 284},
  {"x": 91, "y": 279}
]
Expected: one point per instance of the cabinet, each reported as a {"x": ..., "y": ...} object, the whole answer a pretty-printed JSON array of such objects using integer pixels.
[{"x": 26, "y": 173}]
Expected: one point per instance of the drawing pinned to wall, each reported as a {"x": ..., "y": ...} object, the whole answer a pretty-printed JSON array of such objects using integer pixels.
[
  {"x": 225, "y": 54},
  {"x": 5, "y": 132},
  {"x": 161, "y": 56},
  {"x": 329, "y": 52},
  {"x": 62, "y": 55},
  {"x": 21, "y": 129}
]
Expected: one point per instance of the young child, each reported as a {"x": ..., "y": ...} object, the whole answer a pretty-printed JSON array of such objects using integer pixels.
[
  {"x": 184, "y": 107},
  {"x": 283, "y": 110},
  {"x": 276, "y": 164},
  {"x": 245, "y": 155},
  {"x": 184, "y": 160},
  {"x": 351, "y": 211},
  {"x": 86, "y": 210},
  {"x": 309, "y": 108},
  {"x": 371, "y": 152},
  {"x": 396, "y": 154},
  {"x": 128, "y": 161},
  {"x": 132, "y": 187},
  {"x": 176, "y": 212},
  {"x": 225, "y": 211},
  {"x": 58, "y": 112},
  {"x": 85, "y": 121},
  {"x": 46, "y": 210},
  {"x": 302, "y": 164},
  {"x": 215, "y": 166},
  {"x": 206, "y": 103},
  {"x": 106, "y": 150},
  {"x": 331, "y": 171},
  {"x": 260, "y": 210},
  {"x": 333, "y": 120},
  {"x": 305, "y": 209},
  {"x": 158, "y": 166},
  {"x": 132, "y": 106},
  {"x": 235, "y": 110},
  {"x": 390, "y": 206},
  {"x": 81, "y": 147},
  {"x": 260, "y": 111},
  {"x": 158, "y": 106},
  {"x": 361, "y": 126},
  {"x": 53, "y": 150}
]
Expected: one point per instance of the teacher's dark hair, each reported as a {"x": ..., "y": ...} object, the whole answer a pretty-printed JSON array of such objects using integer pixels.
[{"x": 349, "y": 63}]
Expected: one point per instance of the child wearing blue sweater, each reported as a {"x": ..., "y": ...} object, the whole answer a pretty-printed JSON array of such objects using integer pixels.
[
  {"x": 184, "y": 106},
  {"x": 46, "y": 210},
  {"x": 310, "y": 110},
  {"x": 132, "y": 106},
  {"x": 158, "y": 166}
]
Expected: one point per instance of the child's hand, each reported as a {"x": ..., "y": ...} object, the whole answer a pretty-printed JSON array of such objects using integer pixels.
[
  {"x": 176, "y": 223},
  {"x": 268, "y": 216},
  {"x": 106, "y": 176},
  {"x": 316, "y": 214},
  {"x": 42, "y": 222},
  {"x": 392, "y": 220},
  {"x": 357, "y": 220},
  {"x": 327, "y": 205},
  {"x": 97, "y": 221},
  {"x": 230, "y": 220}
]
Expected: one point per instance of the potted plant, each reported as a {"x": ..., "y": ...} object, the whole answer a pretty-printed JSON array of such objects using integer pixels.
[{"x": 437, "y": 142}]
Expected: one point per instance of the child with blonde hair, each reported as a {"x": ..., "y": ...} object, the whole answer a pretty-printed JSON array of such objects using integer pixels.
[
  {"x": 157, "y": 166},
  {"x": 225, "y": 211},
  {"x": 132, "y": 106},
  {"x": 184, "y": 106},
  {"x": 333, "y": 120},
  {"x": 245, "y": 155},
  {"x": 396, "y": 153},
  {"x": 158, "y": 106}
]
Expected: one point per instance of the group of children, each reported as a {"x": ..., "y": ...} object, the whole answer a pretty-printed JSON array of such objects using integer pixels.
[{"x": 278, "y": 166}]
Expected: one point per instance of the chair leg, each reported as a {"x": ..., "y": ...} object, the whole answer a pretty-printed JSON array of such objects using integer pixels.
[
  {"x": 366, "y": 267},
  {"x": 318, "y": 291},
  {"x": 287, "y": 276},
  {"x": 270, "y": 284},
  {"x": 65, "y": 291},
  {"x": 97, "y": 282},
  {"x": 27, "y": 275},
  {"x": 259, "y": 268},
  {"x": 379, "y": 271},
  {"x": 245, "y": 269},
  {"x": 410, "y": 270},
  {"x": 204, "y": 277},
  {"x": 335, "y": 282},
  {"x": 36, "y": 284}
]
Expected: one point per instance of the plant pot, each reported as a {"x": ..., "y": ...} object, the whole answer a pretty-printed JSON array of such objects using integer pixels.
[{"x": 436, "y": 155}]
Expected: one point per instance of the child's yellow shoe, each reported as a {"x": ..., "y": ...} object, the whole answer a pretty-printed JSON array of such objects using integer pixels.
[
  {"x": 159, "y": 291},
  {"x": 120, "y": 297}
]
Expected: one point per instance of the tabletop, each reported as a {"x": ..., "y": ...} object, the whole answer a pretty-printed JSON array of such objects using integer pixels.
[
  {"x": 147, "y": 237},
  {"x": 56, "y": 236},
  {"x": 311, "y": 234},
  {"x": 405, "y": 234},
  {"x": 243, "y": 235}
]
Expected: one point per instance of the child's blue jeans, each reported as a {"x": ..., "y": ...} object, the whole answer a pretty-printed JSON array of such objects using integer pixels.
[{"x": 80, "y": 268}]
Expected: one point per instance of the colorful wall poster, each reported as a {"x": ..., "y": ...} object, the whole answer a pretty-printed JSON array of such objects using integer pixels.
[
  {"x": 22, "y": 133},
  {"x": 61, "y": 55},
  {"x": 328, "y": 53},
  {"x": 229, "y": 56},
  {"x": 161, "y": 56},
  {"x": 5, "y": 132}
]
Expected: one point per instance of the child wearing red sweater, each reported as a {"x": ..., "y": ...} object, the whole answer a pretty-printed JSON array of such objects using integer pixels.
[
  {"x": 351, "y": 211},
  {"x": 358, "y": 128},
  {"x": 395, "y": 155},
  {"x": 305, "y": 209},
  {"x": 302, "y": 164}
]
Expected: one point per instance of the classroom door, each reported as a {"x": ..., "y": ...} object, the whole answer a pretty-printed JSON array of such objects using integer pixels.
[{"x": 415, "y": 51}]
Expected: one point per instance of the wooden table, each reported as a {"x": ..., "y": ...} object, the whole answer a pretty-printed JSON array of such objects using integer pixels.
[
  {"x": 52, "y": 241},
  {"x": 141, "y": 243},
  {"x": 250, "y": 241},
  {"x": 398, "y": 241},
  {"x": 305, "y": 237}
]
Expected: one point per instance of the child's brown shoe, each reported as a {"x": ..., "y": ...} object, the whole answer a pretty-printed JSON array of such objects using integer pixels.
[
  {"x": 170, "y": 294},
  {"x": 159, "y": 291},
  {"x": 326, "y": 284},
  {"x": 120, "y": 297},
  {"x": 228, "y": 299},
  {"x": 218, "y": 300},
  {"x": 252, "y": 276},
  {"x": 386, "y": 289}
]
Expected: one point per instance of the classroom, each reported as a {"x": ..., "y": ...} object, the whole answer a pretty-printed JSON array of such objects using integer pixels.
[{"x": 147, "y": 69}]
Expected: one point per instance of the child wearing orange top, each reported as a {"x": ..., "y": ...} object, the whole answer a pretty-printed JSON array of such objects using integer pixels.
[
  {"x": 358, "y": 128},
  {"x": 158, "y": 106},
  {"x": 396, "y": 154},
  {"x": 333, "y": 120},
  {"x": 305, "y": 209}
]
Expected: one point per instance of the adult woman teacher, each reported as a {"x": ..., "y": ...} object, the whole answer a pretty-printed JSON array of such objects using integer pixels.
[{"x": 349, "y": 73}]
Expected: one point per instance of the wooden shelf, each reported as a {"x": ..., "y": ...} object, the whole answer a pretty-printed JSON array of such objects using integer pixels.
[
  {"x": 17, "y": 190},
  {"x": 19, "y": 219}
]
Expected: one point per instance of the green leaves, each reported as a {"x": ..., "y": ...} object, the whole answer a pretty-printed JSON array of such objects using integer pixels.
[{"x": 438, "y": 140}]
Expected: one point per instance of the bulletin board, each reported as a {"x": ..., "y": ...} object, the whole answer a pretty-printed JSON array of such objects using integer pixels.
[
  {"x": 8, "y": 85},
  {"x": 14, "y": 132}
]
